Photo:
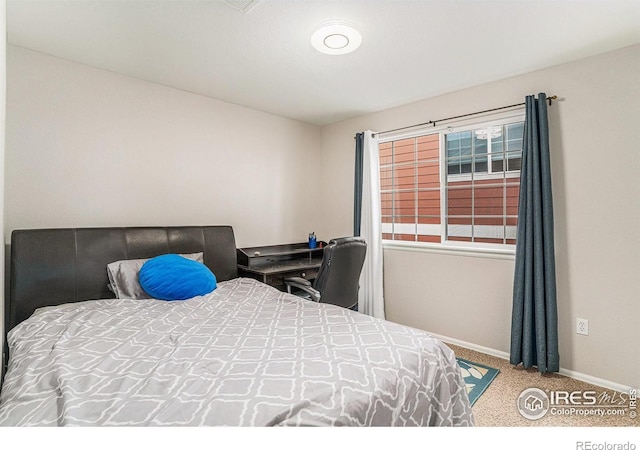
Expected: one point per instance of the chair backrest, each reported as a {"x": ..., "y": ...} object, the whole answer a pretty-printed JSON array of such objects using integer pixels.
[{"x": 339, "y": 273}]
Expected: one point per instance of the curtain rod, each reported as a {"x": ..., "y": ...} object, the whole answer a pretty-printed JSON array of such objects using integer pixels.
[{"x": 434, "y": 122}]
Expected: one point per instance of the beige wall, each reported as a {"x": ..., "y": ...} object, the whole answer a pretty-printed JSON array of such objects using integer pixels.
[
  {"x": 596, "y": 166},
  {"x": 86, "y": 147},
  {"x": 3, "y": 86}
]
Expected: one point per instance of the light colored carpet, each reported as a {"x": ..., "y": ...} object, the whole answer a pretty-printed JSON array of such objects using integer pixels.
[{"x": 496, "y": 407}]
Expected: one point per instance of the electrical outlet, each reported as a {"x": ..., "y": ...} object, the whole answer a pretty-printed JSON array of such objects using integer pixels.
[{"x": 582, "y": 326}]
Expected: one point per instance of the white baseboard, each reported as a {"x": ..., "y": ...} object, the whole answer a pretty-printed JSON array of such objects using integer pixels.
[
  {"x": 595, "y": 380},
  {"x": 566, "y": 372}
]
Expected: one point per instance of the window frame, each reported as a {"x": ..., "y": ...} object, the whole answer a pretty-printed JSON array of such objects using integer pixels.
[{"x": 446, "y": 246}]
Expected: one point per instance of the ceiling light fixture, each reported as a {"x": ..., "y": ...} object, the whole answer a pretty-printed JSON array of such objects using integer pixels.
[{"x": 336, "y": 37}]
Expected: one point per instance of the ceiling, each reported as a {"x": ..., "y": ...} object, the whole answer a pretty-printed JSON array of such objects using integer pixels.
[{"x": 262, "y": 57}]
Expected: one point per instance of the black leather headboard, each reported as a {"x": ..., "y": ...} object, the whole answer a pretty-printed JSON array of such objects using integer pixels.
[{"x": 64, "y": 265}]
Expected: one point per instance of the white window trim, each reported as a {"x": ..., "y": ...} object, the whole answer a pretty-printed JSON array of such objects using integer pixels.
[
  {"x": 453, "y": 248},
  {"x": 447, "y": 247}
]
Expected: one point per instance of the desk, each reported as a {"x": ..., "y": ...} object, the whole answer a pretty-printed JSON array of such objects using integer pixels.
[{"x": 273, "y": 263}]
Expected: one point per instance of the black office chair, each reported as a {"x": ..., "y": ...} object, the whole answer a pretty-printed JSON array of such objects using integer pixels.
[{"x": 339, "y": 275}]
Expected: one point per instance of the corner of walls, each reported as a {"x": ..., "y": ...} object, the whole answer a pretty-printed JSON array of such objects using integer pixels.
[
  {"x": 336, "y": 166},
  {"x": 3, "y": 90}
]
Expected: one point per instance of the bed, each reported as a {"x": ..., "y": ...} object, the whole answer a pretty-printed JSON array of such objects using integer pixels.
[{"x": 245, "y": 354}]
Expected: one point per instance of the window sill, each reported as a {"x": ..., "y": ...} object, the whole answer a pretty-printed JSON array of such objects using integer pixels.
[{"x": 451, "y": 249}]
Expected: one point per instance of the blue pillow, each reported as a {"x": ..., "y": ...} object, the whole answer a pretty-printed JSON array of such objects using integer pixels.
[{"x": 172, "y": 277}]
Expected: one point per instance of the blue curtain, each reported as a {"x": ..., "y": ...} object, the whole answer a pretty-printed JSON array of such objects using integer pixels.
[
  {"x": 534, "y": 321},
  {"x": 357, "y": 187}
]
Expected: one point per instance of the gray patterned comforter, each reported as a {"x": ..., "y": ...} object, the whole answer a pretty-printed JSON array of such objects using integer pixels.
[{"x": 245, "y": 354}]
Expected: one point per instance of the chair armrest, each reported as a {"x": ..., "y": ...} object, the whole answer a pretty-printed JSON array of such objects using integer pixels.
[
  {"x": 297, "y": 281},
  {"x": 303, "y": 285}
]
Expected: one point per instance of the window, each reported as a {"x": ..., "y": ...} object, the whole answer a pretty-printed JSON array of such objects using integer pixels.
[{"x": 453, "y": 185}]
